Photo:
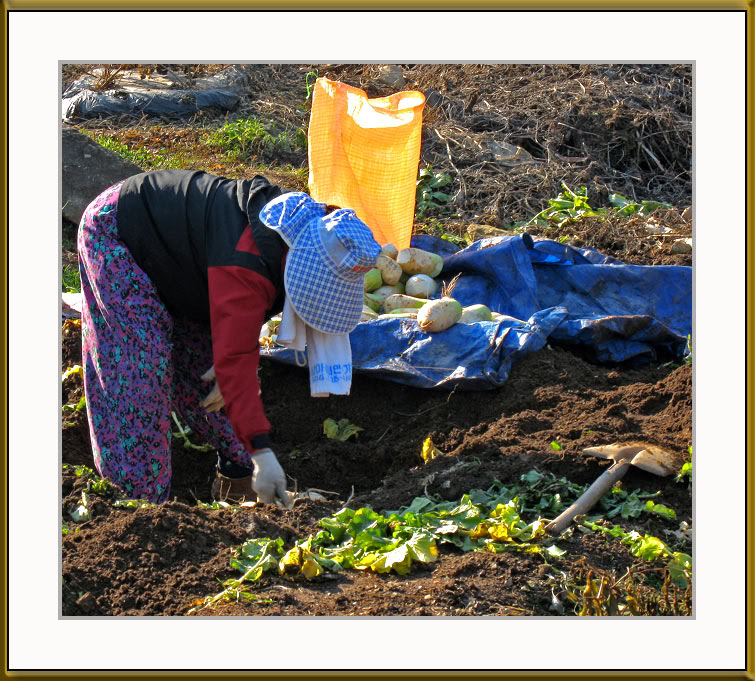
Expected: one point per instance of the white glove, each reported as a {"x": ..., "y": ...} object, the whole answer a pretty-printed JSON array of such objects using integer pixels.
[
  {"x": 214, "y": 400},
  {"x": 268, "y": 479}
]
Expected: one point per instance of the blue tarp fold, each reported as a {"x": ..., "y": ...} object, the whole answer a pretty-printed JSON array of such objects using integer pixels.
[{"x": 606, "y": 310}]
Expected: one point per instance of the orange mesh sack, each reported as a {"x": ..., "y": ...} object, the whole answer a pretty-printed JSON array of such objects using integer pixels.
[{"x": 364, "y": 155}]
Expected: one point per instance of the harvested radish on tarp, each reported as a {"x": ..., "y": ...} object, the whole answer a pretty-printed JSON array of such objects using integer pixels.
[
  {"x": 390, "y": 251},
  {"x": 476, "y": 313},
  {"x": 399, "y": 300},
  {"x": 404, "y": 313},
  {"x": 390, "y": 270},
  {"x": 421, "y": 286},
  {"x": 417, "y": 261},
  {"x": 373, "y": 302},
  {"x": 368, "y": 314},
  {"x": 441, "y": 314},
  {"x": 372, "y": 280},
  {"x": 380, "y": 294}
]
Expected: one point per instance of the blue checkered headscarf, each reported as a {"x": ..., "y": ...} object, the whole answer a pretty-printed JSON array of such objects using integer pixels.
[{"x": 328, "y": 257}]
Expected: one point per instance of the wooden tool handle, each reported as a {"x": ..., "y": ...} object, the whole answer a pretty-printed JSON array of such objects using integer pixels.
[{"x": 589, "y": 498}]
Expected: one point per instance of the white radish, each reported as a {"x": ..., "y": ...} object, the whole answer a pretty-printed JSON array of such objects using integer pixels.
[
  {"x": 390, "y": 251},
  {"x": 411, "y": 311},
  {"x": 390, "y": 270},
  {"x": 383, "y": 292},
  {"x": 80, "y": 514},
  {"x": 421, "y": 286},
  {"x": 372, "y": 280},
  {"x": 439, "y": 315},
  {"x": 399, "y": 315},
  {"x": 438, "y": 265},
  {"x": 476, "y": 313},
  {"x": 373, "y": 302},
  {"x": 417, "y": 261},
  {"x": 399, "y": 300},
  {"x": 367, "y": 314}
]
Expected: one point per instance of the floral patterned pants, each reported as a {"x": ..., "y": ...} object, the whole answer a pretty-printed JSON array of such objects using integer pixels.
[{"x": 139, "y": 365}]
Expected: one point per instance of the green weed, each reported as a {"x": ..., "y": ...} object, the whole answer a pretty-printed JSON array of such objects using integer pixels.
[
  {"x": 95, "y": 483},
  {"x": 144, "y": 158},
  {"x": 649, "y": 548},
  {"x": 313, "y": 76},
  {"x": 71, "y": 279},
  {"x": 570, "y": 206},
  {"x": 686, "y": 470},
  {"x": 79, "y": 470},
  {"x": 240, "y": 138},
  {"x": 429, "y": 195},
  {"x": 133, "y": 503},
  {"x": 639, "y": 592},
  {"x": 79, "y": 406},
  {"x": 437, "y": 228},
  {"x": 230, "y": 594},
  {"x": 184, "y": 432}
]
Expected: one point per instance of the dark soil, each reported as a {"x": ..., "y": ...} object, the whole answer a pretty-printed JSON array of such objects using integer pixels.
[{"x": 159, "y": 560}]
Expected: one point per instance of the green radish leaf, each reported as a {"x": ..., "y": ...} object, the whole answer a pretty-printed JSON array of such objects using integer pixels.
[
  {"x": 422, "y": 548},
  {"x": 399, "y": 560},
  {"x": 648, "y": 548},
  {"x": 684, "y": 472},
  {"x": 618, "y": 200},
  {"x": 660, "y": 509},
  {"x": 498, "y": 519},
  {"x": 341, "y": 430}
]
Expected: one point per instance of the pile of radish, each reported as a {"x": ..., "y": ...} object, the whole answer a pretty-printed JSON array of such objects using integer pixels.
[{"x": 403, "y": 285}]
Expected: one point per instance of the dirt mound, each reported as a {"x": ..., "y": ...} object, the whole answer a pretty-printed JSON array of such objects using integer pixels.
[{"x": 160, "y": 560}]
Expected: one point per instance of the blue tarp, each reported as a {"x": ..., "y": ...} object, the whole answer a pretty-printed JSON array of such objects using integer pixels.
[{"x": 607, "y": 311}]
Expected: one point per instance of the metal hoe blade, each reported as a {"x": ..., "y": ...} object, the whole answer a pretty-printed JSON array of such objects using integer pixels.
[{"x": 646, "y": 456}]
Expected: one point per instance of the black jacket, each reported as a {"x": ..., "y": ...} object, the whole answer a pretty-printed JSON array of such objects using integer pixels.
[{"x": 199, "y": 239}]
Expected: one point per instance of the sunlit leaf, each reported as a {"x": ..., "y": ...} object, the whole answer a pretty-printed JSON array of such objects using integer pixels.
[
  {"x": 341, "y": 430},
  {"x": 311, "y": 568},
  {"x": 70, "y": 371},
  {"x": 429, "y": 450}
]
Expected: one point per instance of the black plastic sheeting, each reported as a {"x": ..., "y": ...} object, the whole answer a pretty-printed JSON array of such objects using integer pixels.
[
  {"x": 607, "y": 311},
  {"x": 81, "y": 102}
]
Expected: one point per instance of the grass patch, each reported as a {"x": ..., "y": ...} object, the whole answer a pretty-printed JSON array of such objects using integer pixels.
[
  {"x": 241, "y": 138},
  {"x": 154, "y": 146},
  {"x": 138, "y": 155}
]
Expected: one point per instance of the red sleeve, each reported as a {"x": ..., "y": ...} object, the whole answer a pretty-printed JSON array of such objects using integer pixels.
[{"x": 239, "y": 299}]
